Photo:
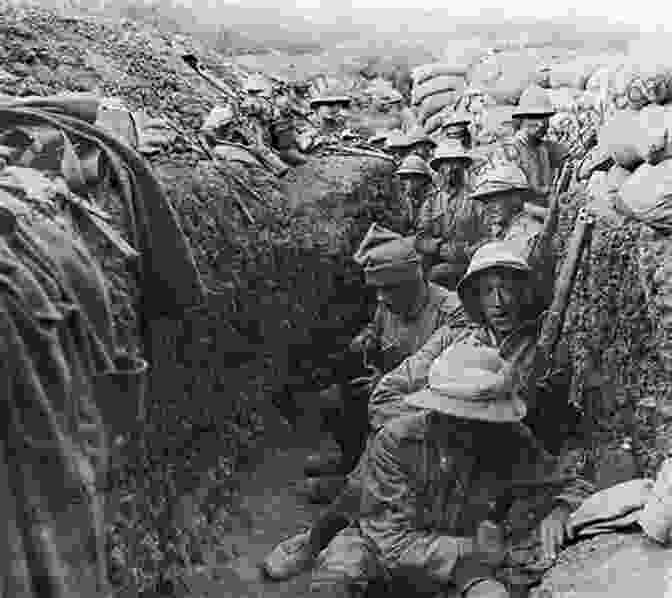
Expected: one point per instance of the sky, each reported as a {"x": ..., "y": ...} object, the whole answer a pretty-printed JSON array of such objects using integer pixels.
[{"x": 647, "y": 14}]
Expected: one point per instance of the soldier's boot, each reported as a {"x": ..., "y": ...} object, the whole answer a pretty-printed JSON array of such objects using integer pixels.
[
  {"x": 289, "y": 558},
  {"x": 486, "y": 588}
]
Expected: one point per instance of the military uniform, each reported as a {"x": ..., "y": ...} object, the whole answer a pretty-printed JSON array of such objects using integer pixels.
[
  {"x": 393, "y": 339},
  {"x": 417, "y": 502},
  {"x": 450, "y": 225},
  {"x": 539, "y": 162},
  {"x": 457, "y": 221}
]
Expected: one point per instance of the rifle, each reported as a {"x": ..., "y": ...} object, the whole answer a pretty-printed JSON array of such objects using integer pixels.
[
  {"x": 192, "y": 61},
  {"x": 555, "y": 315}
]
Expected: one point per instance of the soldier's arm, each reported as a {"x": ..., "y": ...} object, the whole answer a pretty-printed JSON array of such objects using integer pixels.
[
  {"x": 391, "y": 498},
  {"x": 387, "y": 399}
]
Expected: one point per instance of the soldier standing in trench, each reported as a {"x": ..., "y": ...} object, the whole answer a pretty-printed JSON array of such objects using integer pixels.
[
  {"x": 417, "y": 188},
  {"x": 450, "y": 225},
  {"x": 539, "y": 159}
]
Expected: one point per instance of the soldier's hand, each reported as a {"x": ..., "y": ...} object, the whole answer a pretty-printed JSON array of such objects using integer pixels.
[
  {"x": 448, "y": 252},
  {"x": 553, "y": 531},
  {"x": 427, "y": 246},
  {"x": 363, "y": 342},
  {"x": 490, "y": 545}
]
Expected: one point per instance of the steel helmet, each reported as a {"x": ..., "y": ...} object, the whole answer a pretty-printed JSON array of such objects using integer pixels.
[
  {"x": 414, "y": 165},
  {"x": 534, "y": 103},
  {"x": 450, "y": 150},
  {"x": 502, "y": 177},
  {"x": 489, "y": 255},
  {"x": 255, "y": 84},
  {"x": 417, "y": 135}
]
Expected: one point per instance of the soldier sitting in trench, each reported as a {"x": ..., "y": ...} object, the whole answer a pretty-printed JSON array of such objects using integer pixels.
[
  {"x": 417, "y": 189},
  {"x": 409, "y": 310},
  {"x": 497, "y": 295}
]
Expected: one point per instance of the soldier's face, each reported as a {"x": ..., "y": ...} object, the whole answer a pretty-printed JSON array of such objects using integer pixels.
[
  {"x": 500, "y": 211},
  {"x": 501, "y": 296},
  {"x": 536, "y": 128},
  {"x": 424, "y": 150},
  {"x": 412, "y": 184},
  {"x": 449, "y": 170}
]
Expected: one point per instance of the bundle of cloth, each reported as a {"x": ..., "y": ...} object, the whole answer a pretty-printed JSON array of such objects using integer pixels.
[{"x": 59, "y": 135}]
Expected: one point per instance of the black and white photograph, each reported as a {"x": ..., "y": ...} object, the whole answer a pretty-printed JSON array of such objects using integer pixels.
[{"x": 354, "y": 299}]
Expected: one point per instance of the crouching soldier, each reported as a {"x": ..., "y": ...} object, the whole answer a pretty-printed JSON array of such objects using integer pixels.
[
  {"x": 505, "y": 310},
  {"x": 409, "y": 311},
  {"x": 440, "y": 488}
]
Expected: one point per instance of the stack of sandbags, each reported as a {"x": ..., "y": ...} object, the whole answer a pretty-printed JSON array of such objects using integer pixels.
[
  {"x": 577, "y": 72},
  {"x": 493, "y": 123},
  {"x": 604, "y": 188},
  {"x": 504, "y": 76},
  {"x": 632, "y": 137},
  {"x": 436, "y": 86},
  {"x": 647, "y": 194},
  {"x": 563, "y": 98}
]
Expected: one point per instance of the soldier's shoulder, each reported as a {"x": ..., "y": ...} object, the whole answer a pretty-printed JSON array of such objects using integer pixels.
[
  {"x": 444, "y": 299},
  {"x": 409, "y": 427}
]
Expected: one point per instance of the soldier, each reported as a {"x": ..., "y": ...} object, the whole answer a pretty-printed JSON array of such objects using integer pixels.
[
  {"x": 511, "y": 214},
  {"x": 498, "y": 295},
  {"x": 416, "y": 187},
  {"x": 394, "y": 106},
  {"x": 409, "y": 310},
  {"x": 259, "y": 110},
  {"x": 457, "y": 127},
  {"x": 540, "y": 159},
  {"x": 397, "y": 145},
  {"x": 420, "y": 144},
  {"x": 330, "y": 110},
  {"x": 450, "y": 226}
]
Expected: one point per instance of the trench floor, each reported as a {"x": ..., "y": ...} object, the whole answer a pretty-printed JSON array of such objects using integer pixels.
[{"x": 271, "y": 510}]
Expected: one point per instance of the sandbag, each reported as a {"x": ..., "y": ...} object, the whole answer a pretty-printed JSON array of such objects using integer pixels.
[
  {"x": 435, "y": 122},
  {"x": 596, "y": 159},
  {"x": 437, "y": 85},
  {"x": 425, "y": 72},
  {"x": 436, "y": 103},
  {"x": 494, "y": 123},
  {"x": 507, "y": 91},
  {"x": 619, "y": 137},
  {"x": 505, "y": 77},
  {"x": 648, "y": 195},
  {"x": 653, "y": 142},
  {"x": 642, "y": 80},
  {"x": 616, "y": 177},
  {"x": 486, "y": 72},
  {"x": 574, "y": 74},
  {"x": 563, "y": 98}
]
